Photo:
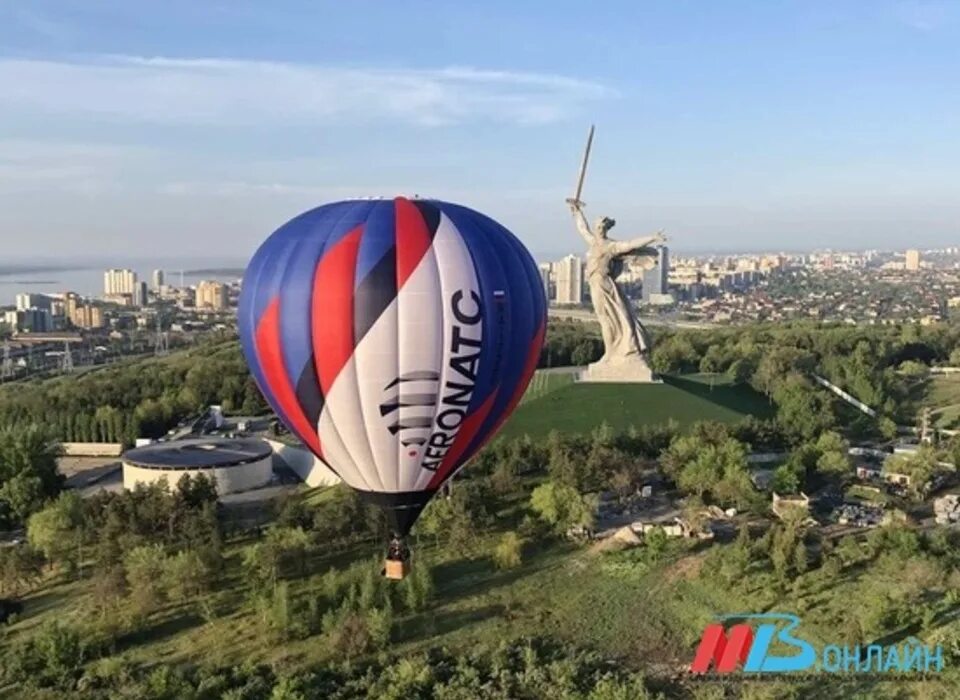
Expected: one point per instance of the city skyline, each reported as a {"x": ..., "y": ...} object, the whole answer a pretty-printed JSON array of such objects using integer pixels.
[{"x": 732, "y": 128}]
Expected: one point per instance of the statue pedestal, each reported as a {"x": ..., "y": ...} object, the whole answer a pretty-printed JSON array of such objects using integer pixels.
[{"x": 632, "y": 369}]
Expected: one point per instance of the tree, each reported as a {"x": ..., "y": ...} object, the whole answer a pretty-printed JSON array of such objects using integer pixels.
[
  {"x": 19, "y": 567},
  {"x": 834, "y": 459},
  {"x": 145, "y": 567},
  {"x": 887, "y": 428},
  {"x": 800, "y": 557},
  {"x": 57, "y": 530},
  {"x": 109, "y": 588},
  {"x": 418, "y": 587},
  {"x": 562, "y": 506},
  {"x": 53, "y": 657},
  {"x": 656, "y": 543},
  {"x": 709, "y": 462},
  {"x": 455, "y": 519},
  {"x": 282, "y": 553},
  {"x": 22, "y": 495},
  {"x": 583, "y": 354},
  {"x": 785, "y": 480},
  {"x": 28, "y": 469},
  {"x": 508, "y": 552},
  {"x": 802, "y": 410},
  {"x": 186, "y": 575}
]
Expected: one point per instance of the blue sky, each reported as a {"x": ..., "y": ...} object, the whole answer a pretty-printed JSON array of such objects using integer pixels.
[{"x": 196, "y": 128}]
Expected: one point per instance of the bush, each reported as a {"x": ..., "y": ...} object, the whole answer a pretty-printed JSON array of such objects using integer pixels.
[
  {"x": 53, "y": 658},
  {"x": 508, "y": 552}
]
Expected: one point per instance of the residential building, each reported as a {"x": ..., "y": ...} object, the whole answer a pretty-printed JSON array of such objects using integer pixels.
[
  {"x": 656, "y": 279},
  {"x": 912, "y": 260},
  {"x": 27, "y": 301},
  {"x": 140, "y": 294},
  {"x": 211, "y": 295},
  {"x": 117, "y": 282},
  {"x": 158, "y": 279},
  {"x": 545, "y": 279},
  {"x": 88, "y": 316},
  {"x": 568, "y": 277}
]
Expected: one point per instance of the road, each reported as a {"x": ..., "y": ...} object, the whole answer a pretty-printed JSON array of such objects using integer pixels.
[{"x": 585, "y": 315}]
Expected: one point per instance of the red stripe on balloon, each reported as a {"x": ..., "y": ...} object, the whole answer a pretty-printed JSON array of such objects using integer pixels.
[
  {"x": 332, "y": 309},
  {"x": 413, "y": 239},
  {"x": 270, "y": 357},
  {"x": 468, "y": 430}
]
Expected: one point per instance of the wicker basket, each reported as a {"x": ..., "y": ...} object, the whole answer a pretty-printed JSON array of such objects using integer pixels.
[{"x": 396, "y": 569}]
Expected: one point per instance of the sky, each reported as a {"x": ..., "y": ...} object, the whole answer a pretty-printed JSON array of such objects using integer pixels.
[{"x": 183, "y": 128}]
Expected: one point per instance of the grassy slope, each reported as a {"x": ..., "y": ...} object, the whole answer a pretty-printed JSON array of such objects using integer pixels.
[
  {"x": 686, "y": 399},
  {"x": 648, "y": 615}
]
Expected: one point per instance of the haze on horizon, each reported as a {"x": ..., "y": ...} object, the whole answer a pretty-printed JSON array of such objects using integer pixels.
[{"x": 183, "y": 129}]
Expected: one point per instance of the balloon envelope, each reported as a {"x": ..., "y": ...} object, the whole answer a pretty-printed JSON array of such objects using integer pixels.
[{"x": 393, "y": 337}]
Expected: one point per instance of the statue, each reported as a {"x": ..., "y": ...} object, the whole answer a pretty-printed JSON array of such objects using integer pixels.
[
  {"x": 622, "y": 333},
  {"x": 625, "y": 340}
]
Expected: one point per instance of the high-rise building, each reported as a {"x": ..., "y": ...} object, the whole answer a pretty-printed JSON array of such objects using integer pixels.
[
  {"x": 116, "y": 282},
  {"x": 568, "y": 276},
  {"x": 71, "y": 300},
  {"x": 158, "y": 279},
  {"x": 211, "y": 295},
  {"x": 656, "y": 279},
  {"x": 545, "y": 279},
  {"x": 140, "y": 294},
  {"x": 34, "y": 320},
  {"x": 26, "y": 301},
  {"x": 88, "y": 316},
  {"x": 912, "y": 260}
]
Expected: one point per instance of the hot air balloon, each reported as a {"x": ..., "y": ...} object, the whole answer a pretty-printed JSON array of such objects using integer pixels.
[{"x": 393, "y": 337}]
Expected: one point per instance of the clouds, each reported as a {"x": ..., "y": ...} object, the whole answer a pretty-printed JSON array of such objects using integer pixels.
[
  {"x": 924, "y": 15},
  {"x": 211, "y": 92}
]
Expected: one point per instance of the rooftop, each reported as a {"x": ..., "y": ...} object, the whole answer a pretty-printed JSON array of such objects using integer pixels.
[{"x": 203, "y": 453}]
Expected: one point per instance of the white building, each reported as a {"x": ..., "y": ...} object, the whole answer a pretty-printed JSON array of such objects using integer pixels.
[
  {"x": 116, "y": 282},
  {"x": 545, "y": 279},
  {"x": 158, "y": 279},
  {"x": 568, "y": 277},
  {"x": 912, "y": 260},
  {"x": 236, "y": 464}
]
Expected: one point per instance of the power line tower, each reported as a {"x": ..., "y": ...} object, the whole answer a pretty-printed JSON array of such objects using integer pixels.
[
  {"x": 161, "y": 343},
  {"x": 6, "y": 368},
  {"x": 66, "y": 362}
]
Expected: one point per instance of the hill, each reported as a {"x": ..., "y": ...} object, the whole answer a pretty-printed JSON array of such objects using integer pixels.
[{"x": 579, "y": 408}]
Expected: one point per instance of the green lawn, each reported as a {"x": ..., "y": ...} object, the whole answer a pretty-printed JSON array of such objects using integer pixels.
[
  {"x": 685, "y": 399},
  {"x": 545, "y": 381}
]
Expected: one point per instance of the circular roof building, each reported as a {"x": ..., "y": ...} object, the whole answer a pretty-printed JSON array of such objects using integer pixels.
[{"x": 237, "y": 464}]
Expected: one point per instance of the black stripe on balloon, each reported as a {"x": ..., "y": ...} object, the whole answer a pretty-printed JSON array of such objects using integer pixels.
[
  {"x": 391, "y": 405},
  {"x": 431, "y": 215},
  {"x": 374, "y": 294},
  {"x": 408, "y": 423},
  {"x": 309, "y": 393},
  {"x": 422, "y": 375}
]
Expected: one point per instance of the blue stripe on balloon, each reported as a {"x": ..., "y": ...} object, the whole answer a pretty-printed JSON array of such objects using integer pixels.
[
  {"x": 260, "y": 287},
  {"x": 524, "y": 320},
  {"x": 297, "y": 287},
  {"x": 379, "y": 236}
]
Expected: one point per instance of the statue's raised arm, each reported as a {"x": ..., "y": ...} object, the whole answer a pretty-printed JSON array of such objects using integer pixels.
[
  {"x": 638, "y": 244},
  {"x": 583, "y": 226}
]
